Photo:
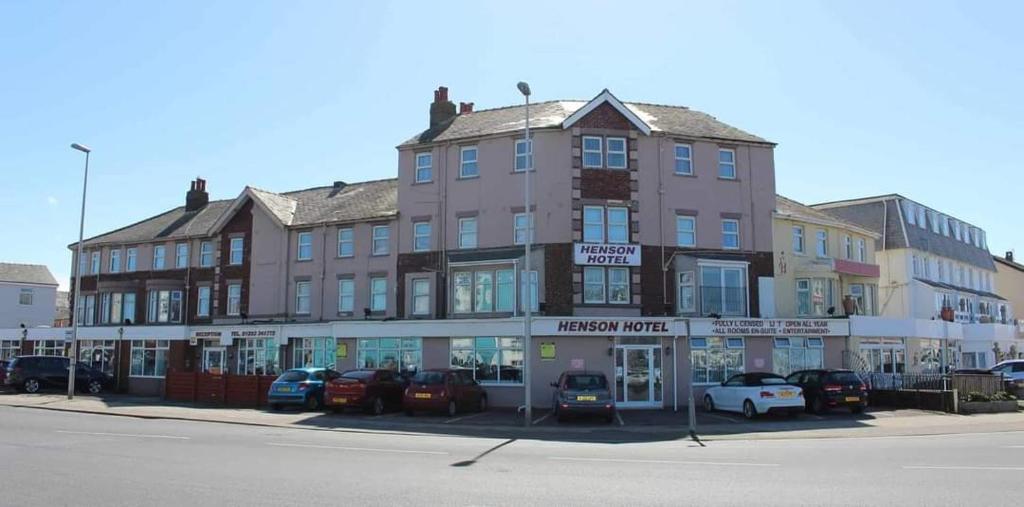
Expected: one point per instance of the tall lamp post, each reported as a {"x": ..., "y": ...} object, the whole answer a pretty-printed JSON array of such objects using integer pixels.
[
  {"x": 524, "y": 88},
  {"x": 78, "y": 276}
]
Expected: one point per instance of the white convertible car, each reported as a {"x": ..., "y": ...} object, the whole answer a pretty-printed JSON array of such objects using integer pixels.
[{"x": 755, "y": 393}]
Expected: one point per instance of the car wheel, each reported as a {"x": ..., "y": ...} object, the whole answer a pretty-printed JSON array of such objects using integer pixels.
[
  {"x": 452, "y": 408},
  {"x": 31, "y": 386},
  {"x": 94, "y": 387},
  {"x": 482, "y": 406},
  {"x": 312, "y": 403},
  {"x": 377, "y": 407},
  {"x": 709, "y": 404},
  {"x": 817, "y": 406},
  {"x": 748, "y": 410}
]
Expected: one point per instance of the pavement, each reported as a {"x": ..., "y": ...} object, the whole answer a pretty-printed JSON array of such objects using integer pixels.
[
  {"x": 54, "y": 457},
  {"x": 629, "y": 426}
]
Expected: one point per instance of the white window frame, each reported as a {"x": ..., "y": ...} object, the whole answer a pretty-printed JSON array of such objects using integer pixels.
[
  {"x": 821, "y": 243},
  {"x": 203, "y": 295},
  {"x": 381, "y": 244},
  {"x": 526, "y": 156},
  {"x": 688, "y": 159},
  {"x": 206, "y": 254},
  {"x": 114, "y": 262},
  {"x": 726, "y": 347},
  {"x": 237, "y": 246},
  {"x": 467, "y": 347},
  {"x": 95, "y": 262},
  {"x": 922, "y": 222},
  {"x": 346, "y": 295},
  {"x": 303, "y": 297},
  {"x": 419, "y": 235},
  {"x": 131, "y": 259},
  {"x": 596, "y": 271},
  {"x": 421, "y": 296},
  {"x": 742, "y": 268},
  {"x": 847, "y": 247},
  {"x": 468, "y": 238},
  {"x": 465, "y": 162},
  {"x": 609, "y": 152},
  {"x": 686, "y": 280},
  {"x": 234, "y": 300},
  {"x": 424, "y": 171},
  {"x": 726, "y": 234},
  {"x": 600, "y": 210},
  {"x": 159, "y": 348},
  {"x": 681, "y": 230},
  {"x": 159, "y": 257},
  {"x": 862, "y": 250},
  {"x": 180, "y": 256},
  {"x": 378, "y": 288},
  {"x": 616, "y": 225},
  {"x": 520, "y": 228},
  {"x": 909, "y": 213},
  {"x": 599, "y": 152},
  {"x": 722, "y": 165},
  {"x": 346, "y": 237},
  {"x": 304, "y": 246},
  {"x": 26, "y": 301}
]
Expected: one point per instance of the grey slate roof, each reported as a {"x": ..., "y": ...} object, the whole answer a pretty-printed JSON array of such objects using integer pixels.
[
  {"x": 26, "y": 273},
  {"x": 949, "y": 286},
  {"x": 882, "y": 214},
  {"x": 790, "y": 209},
  {"x": 353, "y": 202},
  {"x": 676, "y": 120}
]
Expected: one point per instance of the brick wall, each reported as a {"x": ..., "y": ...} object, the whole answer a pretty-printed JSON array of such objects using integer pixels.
[{"x": 241, "y": 223}]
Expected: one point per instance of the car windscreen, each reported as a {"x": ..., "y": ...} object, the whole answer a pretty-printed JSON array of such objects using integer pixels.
[
  {"x": 429, "y": 378},
  {"x": 586, "y": 382},
  {"x": 844, "y": 377},
  {"x": 293, "y": 376},
  {"x": 358, "y": 375}
]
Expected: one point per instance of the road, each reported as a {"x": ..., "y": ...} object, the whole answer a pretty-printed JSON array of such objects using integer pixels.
[{"x": 60, "y": 458}]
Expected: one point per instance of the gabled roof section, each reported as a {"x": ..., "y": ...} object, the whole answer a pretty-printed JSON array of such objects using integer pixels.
[
  {"x": 606, "y": 97},
  {"x": 279, "y": 208},
  {"x": 26, "y": 273},
  {"x": 786, "y": 208}
]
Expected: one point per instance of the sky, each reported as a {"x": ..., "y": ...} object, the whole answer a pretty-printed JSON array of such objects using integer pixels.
[{"x": 863, "y": 98}]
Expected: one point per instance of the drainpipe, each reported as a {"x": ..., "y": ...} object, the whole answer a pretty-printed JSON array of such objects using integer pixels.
[
  {"x": 661, "y": 225},
  {"x": 675, "y": 373},
  {"x": 323, "y": 273}
]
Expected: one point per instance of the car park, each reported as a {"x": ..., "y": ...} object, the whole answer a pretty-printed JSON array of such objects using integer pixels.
[
  {"x": 580, "y": 393},
  {"x": 371, "y": 390},
  {"x": 32, "y": 374},
  {"x": 443, "y": 390},
  {"x": 825, "y": 389},
  {"x": 302, "y": 387},
  {"x": 752, "y": 394}
]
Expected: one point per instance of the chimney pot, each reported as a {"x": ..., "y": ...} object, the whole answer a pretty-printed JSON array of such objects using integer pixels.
[
  {"x": 442, "y": 109},
  {"x": 465, "y": 107},
  {"x": 197, "y": 197},
  {"x": 339, "y": 184},
  {"x": 1009, "y": 255}
]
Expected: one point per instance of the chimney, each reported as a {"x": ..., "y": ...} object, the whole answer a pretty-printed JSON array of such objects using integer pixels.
[
  {"x": 465, "y": 107},
  {"x": 442, "y": 109},
  {"x": 197, "y": 197},
  {"x": 1009, "y": 255},
  {"x": 338, "y": 185}
]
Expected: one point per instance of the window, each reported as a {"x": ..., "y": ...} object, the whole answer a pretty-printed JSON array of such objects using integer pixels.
[
  {"x": 115, "y": 261},
  {"x": 727, "y": 164},
  {"x": 798, "y": 239},
  {"x": 520, "y": 227},
  {"x": 534, "y": 294},
  {"x": 424, "y": 170},
  {"x": 236, "y": 256},
  {"x": 468, "y": 167},
  {"x": 723, "y": 290},
  {"x": 524, "y": 155},
  {"x": 967, "y": 234},
  {"x": 821, "y": 244},
  {"x": 486, "y": 291},
  {"x": 95, "y": 263},
  {"x": 686, "y": 231},
  {"x": 128, "y": 307},
  {"x": 862, "y": 251},
  {"x": 974, "y": 360},
  {"x": 935, "y": 222},
  {"x": 618, "y": 225},
  {"x": 945, "y": 226},
  {"x": 616, "y": 147},
  {"x": 421, "y": 297},
  {"x": 378, "y": 294},
  {"x": 9, "y": 349},
  {"x": 396, "y": 354},
  {"x": 467, "y": 232},
  {"x": 684, "y": 159},
  {"x": 593, "y": 224},
  {"x": 687, "y": 292},
  {"x": 181, "y": 255},
  {"x": 794, "y": 354},
  {"x": 149, "y": 358},
  {"x": 505, "y": 290},
  {"x": 857, "y": 292},
  {"x": 592, "y": 155},
  {"x": 483, "y": 291},
  {"x": 87, "y": 310},
  {"x": 164, "y": 306},
  {"x": 346, "y": 295},
  {"x": 25, "y": 297},
  {"x": 908, "y": 211},
  {"x": 593, "y": 284},
  {"x": 605, "y": 285},
  {"x": 714, "y": 359},
  {"x": 302, "y": 303},
  {"x": 492, "y": 359},
  {"x": 305, "y": 246},
  {"x": 381, "y": 239},
  {"x": 977, "y": 238},
  {"x": 159, "y": 256},
  {"x": 258, "y": 356},
  {"x": 956, "y": 230},
  {"x": 206, "y": 254},
  {"x": 234, "y": 299},
  {"x": 317, "y": 352},
  {"x": 813, "y": 296},
  {"x": 942, "y": 271},
  {"x": 117, "y": 307},
  {"x": 104, "y": 308},
  {"x": 618, "y": 285},
  {"x": 847, "y": 247},
  {"x": 920, "y": 218},
  {"x": 731, "y": 234},
  {"x": 420, "y": 236},
  {"x": 203, "y": 302},
  {"x": 345, "y": 247},
  {"x": 462, "y": 295},
  {"x": 98, "y": 354},
  {"x": 915, "y": 263},
  {"x": 131, "y": 259},
  {"x": 50, "y": 348}
]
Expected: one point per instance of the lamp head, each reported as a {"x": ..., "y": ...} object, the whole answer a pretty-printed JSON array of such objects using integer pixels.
[
  {"x": 524, "y": 88},
  {"x": 81, "y": 147}
]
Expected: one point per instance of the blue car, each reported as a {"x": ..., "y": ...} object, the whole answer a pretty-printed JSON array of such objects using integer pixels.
[{"x": 302, "y": 387}]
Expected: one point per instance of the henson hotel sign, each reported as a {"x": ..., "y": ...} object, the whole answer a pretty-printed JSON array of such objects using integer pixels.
[
  {"x": 605, "y": 327},
  {"x": 769, "y": 327},
  {"x": 600, "y": 254}
]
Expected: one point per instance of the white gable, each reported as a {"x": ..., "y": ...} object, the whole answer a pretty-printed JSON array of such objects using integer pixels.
[{"x": 606, "y": 97}]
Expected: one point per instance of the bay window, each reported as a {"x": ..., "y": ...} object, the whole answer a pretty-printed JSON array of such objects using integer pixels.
[
  {"x": 483, "y": 291},
  {"x": 492, "y": 359},
  {"x": 723, "y": 290}
]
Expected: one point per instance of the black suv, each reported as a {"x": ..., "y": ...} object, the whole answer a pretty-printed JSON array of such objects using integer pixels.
[
  {"x": 827, "y": 389},
  {"x": 31, "y": 374}
]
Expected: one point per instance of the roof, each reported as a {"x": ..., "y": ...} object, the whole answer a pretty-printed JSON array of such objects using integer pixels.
[
  {"x": 26, "y": 273},
  {"x": 675, "y": 120},
  {"x": 1012, "y": 264},
  {"x": 950, "y": 286},
  {"x": 789, "y": 209},
  {"x": 312, "y": 206}
]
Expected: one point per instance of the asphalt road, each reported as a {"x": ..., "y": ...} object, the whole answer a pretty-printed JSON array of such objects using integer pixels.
[{"x": 58, "y": 458}]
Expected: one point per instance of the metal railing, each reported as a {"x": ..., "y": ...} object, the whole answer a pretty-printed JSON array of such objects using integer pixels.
[{"x": 967, "y": 383}]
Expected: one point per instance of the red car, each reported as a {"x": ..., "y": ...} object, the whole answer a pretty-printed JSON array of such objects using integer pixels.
[
  {"x": 448, "y": 391},
  {"x": 370, "y": 390}
]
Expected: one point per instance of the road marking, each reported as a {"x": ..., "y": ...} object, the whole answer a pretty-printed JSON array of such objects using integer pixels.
[
  {"x": 98, "y": 434},
  {"x": 665, "y": 462},
  {"x": 541, "y": 418},
  {"x": 1015, "y": 447},
  {"x": 619, "y": 418},
  {"x": 936, "y": 467},
  {"x": 470, "y": 416},
  {"x": 365, "y": 449}
]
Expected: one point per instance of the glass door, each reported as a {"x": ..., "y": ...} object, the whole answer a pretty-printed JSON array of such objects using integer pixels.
[
  {"x": 637, "y": 376},
  {"x": 214, "y": 360}
]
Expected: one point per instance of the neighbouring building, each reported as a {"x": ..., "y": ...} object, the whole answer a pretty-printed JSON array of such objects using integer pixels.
[
  {"x": 28, "y": 295},
  {"x": 62, "y": 317},
  {"x": 1010, "y": 280}
]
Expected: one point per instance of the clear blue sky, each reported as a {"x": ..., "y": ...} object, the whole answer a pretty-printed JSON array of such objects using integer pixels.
[{"x": 863, "y": 98}]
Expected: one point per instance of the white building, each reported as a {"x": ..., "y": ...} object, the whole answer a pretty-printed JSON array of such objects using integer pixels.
[{"x": 28, "y": 295}]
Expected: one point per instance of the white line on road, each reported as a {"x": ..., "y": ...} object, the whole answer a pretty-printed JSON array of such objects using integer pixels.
[
  {"x": 172, "y": 437},
  {"x": 462, "y": 418},
  {"x": 541, "y": 418},
  {"x": 666, "y": 462},
  {"x": 619, "y": 418},
  {"x": 930, "y": 467},
  {"x": 366, "y": 449}
]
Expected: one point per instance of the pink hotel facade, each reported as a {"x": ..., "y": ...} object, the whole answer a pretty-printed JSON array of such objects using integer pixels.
[{"x": 426, "y": 270}]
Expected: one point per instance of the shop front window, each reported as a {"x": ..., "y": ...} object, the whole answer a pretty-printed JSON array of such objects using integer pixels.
[
  {"x": 404, "y": 355},
  {"x": 714, "y": 359},
  {"x": 258, "y": 356},
  {"x": 492, "y": 359},
  {"x": 794, "y": 354},
  {"x": 98, "y": 354},
  {"x": 50, "y": 348},
  {"x": 9, "y": 348},
  {"x": 149, "y": 358},
  {"x": 313, "y": 352}
]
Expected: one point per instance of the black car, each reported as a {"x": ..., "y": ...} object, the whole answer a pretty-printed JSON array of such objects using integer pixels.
[
  {"x": 583, "y": 393},
  {"x": 827, "y": 389},
  {"x": 31, "y": 374}
]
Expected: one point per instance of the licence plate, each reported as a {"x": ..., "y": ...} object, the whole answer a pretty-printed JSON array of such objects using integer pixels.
[
  {"x": 853, "y": 398},
  {"x": 422, "y": 396},
  {"x": 340, "y": 401},
  {"x": 284, "y": 389},
  {"x": 586, "y": 398},
  {"x": 786, "y": 394}
]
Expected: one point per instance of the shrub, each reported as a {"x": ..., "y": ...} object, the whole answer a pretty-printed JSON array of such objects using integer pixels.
[
  {"x": 975, "y": 396},
  {"x": 1002, "y": 396}
]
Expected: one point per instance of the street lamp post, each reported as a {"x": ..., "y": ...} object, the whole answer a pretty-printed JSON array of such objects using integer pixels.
[
  {"x": 78, "y": 276},
  {"x": 524, "y": 88}
]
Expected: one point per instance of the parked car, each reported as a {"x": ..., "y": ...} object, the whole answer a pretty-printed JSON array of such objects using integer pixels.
[
  {"x": 755, "y": 393},
  {"x": 370, "y": 390},
  {"x": 3, "y": 371},
  {"x": 1011, "y": 370},
  {"x": 583, "y": 393},
  {"x": 299, "y": 386},
  {"x": 972, "y": 371},
  {"x": 442, "y": 390},
  {"x": 826, "y": 389},
  {"x": 32, "y": 374}
]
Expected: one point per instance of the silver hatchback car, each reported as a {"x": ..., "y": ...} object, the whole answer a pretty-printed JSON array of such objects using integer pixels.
[{"x": 583, "y": 393}]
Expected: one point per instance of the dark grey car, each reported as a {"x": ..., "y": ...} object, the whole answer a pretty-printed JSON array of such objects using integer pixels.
[{"x": 583, "y": 393}]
